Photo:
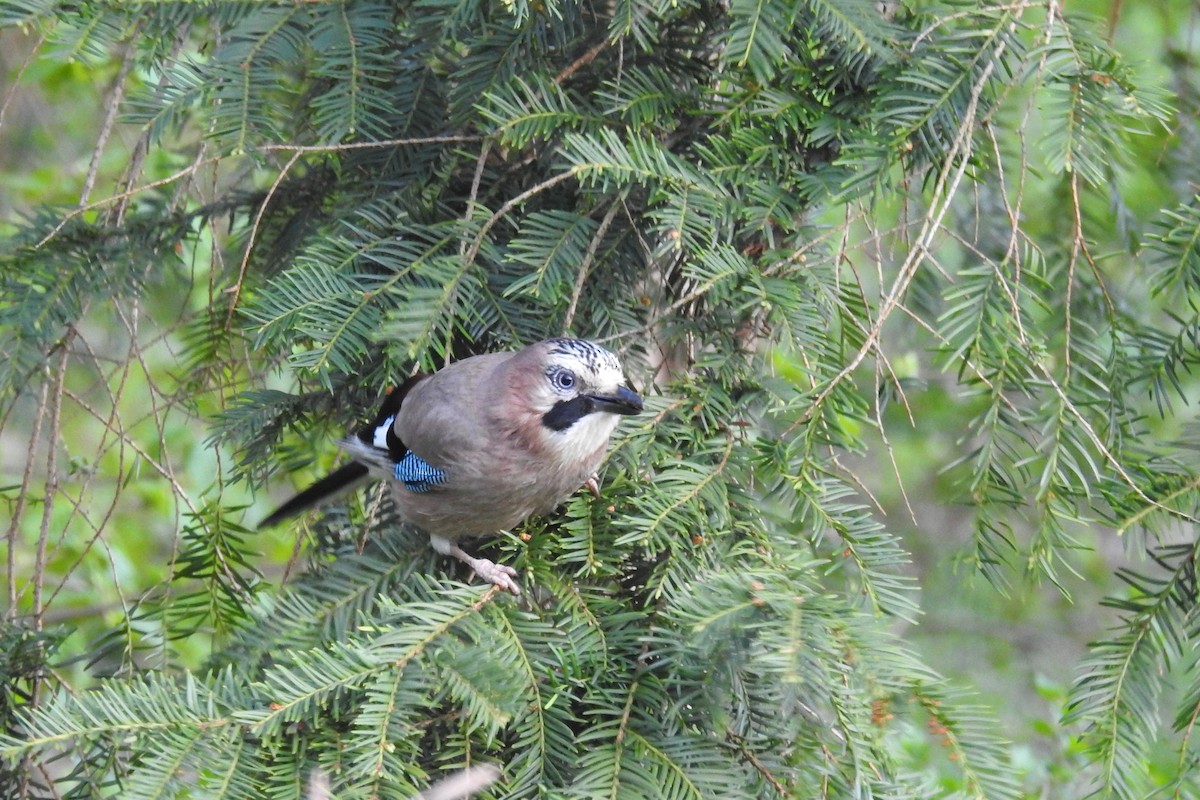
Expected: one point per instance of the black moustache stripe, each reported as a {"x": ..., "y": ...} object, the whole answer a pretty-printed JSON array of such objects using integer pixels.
[{"x": 566, "y": 413}]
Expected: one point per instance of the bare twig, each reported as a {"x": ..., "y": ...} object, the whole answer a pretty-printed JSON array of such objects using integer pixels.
[
  {"x": 111, "y": 107},
  {"x": 83, "y": 209},
  {"x": 236, "y": 289},
  {"x": 759, "y": 767},
  {"x": 944, "y": 191},
  {"x": 141, "y": 147},
  {"x": 512, "y": 203},
  {"x": 16, "y": 81},
  {"x": 374, "y": 145},
  {"x": 582, "y": 61},
  {"x": 473, "y": 197},
  {"x": 13, "y": 534},
  {"x": 51, "y": 404},
  {"x": 196, "y": 165},
  {"x": 589, "y": 258}
]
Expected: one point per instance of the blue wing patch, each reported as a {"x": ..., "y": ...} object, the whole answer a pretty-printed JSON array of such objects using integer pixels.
[{"x": 417, "y": 474}]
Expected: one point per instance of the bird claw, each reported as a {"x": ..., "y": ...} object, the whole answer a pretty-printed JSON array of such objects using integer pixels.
[
  {"x": 501, "y": 575},
  {"x": 593, "y": 485}
]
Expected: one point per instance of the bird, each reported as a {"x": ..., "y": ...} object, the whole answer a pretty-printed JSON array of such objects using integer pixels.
[{"x": 486, "y": 442}]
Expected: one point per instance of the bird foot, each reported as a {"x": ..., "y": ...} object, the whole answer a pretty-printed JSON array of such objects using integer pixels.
[{"x": 500, "y": 575}]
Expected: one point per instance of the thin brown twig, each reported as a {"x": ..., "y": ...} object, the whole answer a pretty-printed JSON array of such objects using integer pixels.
[
  {"x": 626, "y": 712},
  {"x": 589, "y": 258},
  {"x": 125, "y": 621},
  {"x": 13, "y": 534},
  {"x": 109, "y": 427},
  {"x": 1084, "y": 250},
  {"x": 883, "y": 437},
  {"x": 162, "y": 469},
  {"x": 944, "y": 191},
  {"x": 16, "y": 81},
  {"x": 1072, "y": 261},
  {"x": 337, "y": 148},
  {"x": 111, "y": 106},
  {"x": 947, "y": 20},
  {"x": 759, "y": 767},
  {"x": 1114, "y": 17},
  {"x": 692, "y": 296},
  {"x": 236, "y": 289},
  {"x": 512, "y": 203},
  {"x": 473, "y": 197},
  {"x": 141, "y": 148},
  {"x": 51, "y": 486},
  {"x": 197, "y": 165},
  {"x": 582, "y": 61},
  {"x": 62, "y": 223},
  {"x": 154, "y": 412},
  {"x": 293, "y": 559}
]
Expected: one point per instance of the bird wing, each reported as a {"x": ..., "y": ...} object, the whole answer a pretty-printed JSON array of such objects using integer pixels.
[{"x": 447, "y": 415}]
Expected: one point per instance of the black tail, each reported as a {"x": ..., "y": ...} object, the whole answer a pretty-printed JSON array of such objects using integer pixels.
[{"x": 341, "y": 480}]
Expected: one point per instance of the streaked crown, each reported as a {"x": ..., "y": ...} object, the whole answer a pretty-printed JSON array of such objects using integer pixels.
[{"x": 601, "y": 367}]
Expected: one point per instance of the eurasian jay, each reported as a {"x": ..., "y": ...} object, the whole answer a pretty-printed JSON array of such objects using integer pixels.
[{"x": 480, "y": 445}]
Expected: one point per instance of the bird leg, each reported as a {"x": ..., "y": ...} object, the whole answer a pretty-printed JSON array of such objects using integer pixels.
[{"x": 499, "y": 574}]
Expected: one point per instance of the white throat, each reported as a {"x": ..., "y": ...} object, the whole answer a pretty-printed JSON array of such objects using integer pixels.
[{"x": 578, "y": 444}]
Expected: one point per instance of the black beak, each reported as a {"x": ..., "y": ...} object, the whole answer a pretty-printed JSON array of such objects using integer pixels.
[{"x": 625, "y": 401}]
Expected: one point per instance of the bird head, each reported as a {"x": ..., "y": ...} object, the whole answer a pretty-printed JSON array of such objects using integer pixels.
[
  {"x": 580, "y": 382},
  {"x": 565, "y": 397}
]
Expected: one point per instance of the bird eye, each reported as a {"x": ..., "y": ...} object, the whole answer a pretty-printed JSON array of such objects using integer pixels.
[{"x": 564, "y": 379}]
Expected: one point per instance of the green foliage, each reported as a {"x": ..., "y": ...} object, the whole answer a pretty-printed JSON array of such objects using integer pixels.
[
  {"x": 1117, "y": 693},
  {"x": 796, "y": 222}
]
